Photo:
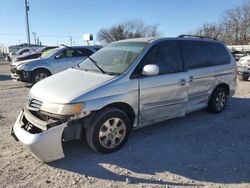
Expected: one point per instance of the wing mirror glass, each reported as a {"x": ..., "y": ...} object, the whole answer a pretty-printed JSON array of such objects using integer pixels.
[
  {"x": 58, "y": 56},
  {"x": 150, "y": 70}
]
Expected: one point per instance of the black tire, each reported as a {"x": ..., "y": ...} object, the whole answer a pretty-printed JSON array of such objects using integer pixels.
[
  {"x": 243, "y": 77},
  {"x": 218, "y": 100},
  {"x": 38, "y": 72},
  {"x": 93, "y": 130}
]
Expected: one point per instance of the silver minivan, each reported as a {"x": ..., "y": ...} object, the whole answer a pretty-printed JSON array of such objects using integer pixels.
[{"x": 126, "y": 85}]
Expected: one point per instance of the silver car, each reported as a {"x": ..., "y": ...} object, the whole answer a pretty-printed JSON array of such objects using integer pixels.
[
  {"x": 50, "y": 62},
  {"x": 126, "y": 85}
]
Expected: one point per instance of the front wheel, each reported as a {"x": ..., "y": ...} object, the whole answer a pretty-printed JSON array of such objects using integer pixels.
[
  {"x": 243, "y": 77},
  {"x": 108, "y": 131},
  {"x": 39, "y": 75},
  {"x": 218, "y": 100}
]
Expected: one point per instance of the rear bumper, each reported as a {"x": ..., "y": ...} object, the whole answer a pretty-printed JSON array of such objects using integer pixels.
[{"x": 46, "y": 146}]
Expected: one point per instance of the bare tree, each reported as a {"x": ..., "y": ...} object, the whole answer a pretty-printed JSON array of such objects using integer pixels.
[
  {"x": 126, "y": 30},
  {"x": 236, "y": 23},
  {"x": 210, "y": 30},
  {"x": 234, "y": 28}
]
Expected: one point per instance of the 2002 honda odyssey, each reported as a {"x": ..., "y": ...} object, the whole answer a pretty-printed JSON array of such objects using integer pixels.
[{"x": 126, "y": 85}]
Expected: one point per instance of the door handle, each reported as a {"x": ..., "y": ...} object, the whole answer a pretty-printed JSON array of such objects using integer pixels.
[
  {"x": 182, "y": 82},
  {"x": 191, "y": 79}
]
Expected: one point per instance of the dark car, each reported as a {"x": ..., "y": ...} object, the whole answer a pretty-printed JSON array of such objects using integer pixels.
[{"x": 34, "y": 54}]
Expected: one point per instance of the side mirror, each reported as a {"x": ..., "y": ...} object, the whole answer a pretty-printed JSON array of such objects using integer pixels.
[
  {"x": 58, "y": 56},
  {"x": 150, "y": 70}
]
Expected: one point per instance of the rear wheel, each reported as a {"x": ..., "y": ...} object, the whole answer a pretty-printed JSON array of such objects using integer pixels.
[
  {"x": 108, "y": 131},
  {"x": 218, "y": 100},
  {"x": 39, "y": 75},
  {"x": 243, "y": 77}
]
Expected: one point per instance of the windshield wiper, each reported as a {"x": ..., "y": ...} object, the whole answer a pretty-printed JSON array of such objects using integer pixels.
[{"x": 92, "y": 60}]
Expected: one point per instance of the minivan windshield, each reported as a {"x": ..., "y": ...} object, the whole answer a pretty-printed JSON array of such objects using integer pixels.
[{"x": 114, "y": 58}]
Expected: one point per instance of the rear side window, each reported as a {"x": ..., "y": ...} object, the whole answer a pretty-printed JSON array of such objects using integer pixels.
[
  {"x": 85, "y": 52},
  {"x": 24, "y": 51},
  {"x": 196, "y": 54},
  {"x": 166, "y": 55},
  {"x": 219, "y": 53}
]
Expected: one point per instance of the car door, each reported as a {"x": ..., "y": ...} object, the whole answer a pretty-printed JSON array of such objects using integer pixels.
[
  {"x": 198, "y": 60},
  {"x": 163, "y": 96},
  {"x": 64, "y": 60}
]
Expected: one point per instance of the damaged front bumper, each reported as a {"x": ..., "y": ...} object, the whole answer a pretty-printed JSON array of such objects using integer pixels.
[
  {"x": 20, "y": 75},
  {"x": 45, "y": 145}
]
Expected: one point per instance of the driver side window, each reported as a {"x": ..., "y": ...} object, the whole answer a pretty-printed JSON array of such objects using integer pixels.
[
  {"x": 166, "y": 55},
  {"x": 66, "y": 54}
]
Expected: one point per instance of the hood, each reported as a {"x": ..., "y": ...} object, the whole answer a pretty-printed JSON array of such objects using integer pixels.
[
  {"x": 26, "y": 62},
  {"x": 67, "y": 85},
  {"x": 245, "y": 58}
]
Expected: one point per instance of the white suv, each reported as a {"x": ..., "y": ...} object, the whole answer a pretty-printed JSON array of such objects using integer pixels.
[{"x": 243, "y": 68}]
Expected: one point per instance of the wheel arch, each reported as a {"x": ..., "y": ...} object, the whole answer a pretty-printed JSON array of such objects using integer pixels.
[
  {"x": 41, "y": 68},
  {"x": 123, "y": 107},
  {"x": 223, "y": 85}
]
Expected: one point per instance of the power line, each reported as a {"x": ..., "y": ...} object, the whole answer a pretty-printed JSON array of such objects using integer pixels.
[{"x": 43, "y": 35}]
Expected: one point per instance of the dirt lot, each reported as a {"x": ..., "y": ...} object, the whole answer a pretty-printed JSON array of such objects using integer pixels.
[{"x": 200, "y": 150}]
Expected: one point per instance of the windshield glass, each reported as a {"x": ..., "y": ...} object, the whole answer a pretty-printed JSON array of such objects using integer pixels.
[
  {"x": 115, "y": 58},
  {"x": 49, "y": 53}
]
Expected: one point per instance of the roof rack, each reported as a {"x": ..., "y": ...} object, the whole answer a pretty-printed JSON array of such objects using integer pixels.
[{"x": 196, "y": 36}]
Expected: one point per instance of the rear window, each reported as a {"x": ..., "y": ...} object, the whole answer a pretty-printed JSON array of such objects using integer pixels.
[
  {"x": 198, "y": 54},
  {"x": 219, "y": 53}
]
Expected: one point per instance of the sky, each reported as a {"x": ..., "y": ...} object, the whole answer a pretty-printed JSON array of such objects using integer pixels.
[{"x": 54, "y": 21}]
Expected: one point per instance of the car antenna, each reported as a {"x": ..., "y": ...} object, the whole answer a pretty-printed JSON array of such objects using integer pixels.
[{"x": 35, "y": 51}]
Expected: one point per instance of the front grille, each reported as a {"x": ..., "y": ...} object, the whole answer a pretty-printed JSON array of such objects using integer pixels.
[
  {"x": 13, "y": 70},
  {"x": 34, "y": 104}
]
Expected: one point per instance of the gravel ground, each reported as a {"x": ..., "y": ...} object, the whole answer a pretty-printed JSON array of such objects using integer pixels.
[{"x": 200, "y": 150}]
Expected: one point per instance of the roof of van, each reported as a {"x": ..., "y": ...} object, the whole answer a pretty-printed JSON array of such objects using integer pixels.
[{"x": 151, "y": 39}]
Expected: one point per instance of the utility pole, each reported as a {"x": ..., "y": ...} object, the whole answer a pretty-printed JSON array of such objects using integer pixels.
[
  {"x": 27, "y": 8},
  {"x": 34, "y": 33},
  {"x": 70, "y": 38}
]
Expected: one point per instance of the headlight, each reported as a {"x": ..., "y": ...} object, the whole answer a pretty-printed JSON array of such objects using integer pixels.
[
  {"x": 242, "y": 63},
  {"x": 20, "y": 67},
  {"x": 62, "y": 109}
]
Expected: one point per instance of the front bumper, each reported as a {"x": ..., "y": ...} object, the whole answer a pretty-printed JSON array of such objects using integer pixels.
[
  {"x": 20, "y": 75},
  {"x": 46, "y": 145},
  {"x": 243, "y": 70}
]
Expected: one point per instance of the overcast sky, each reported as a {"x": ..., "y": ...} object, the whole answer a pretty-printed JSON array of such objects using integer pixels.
[{"x": 54, "y": 21}]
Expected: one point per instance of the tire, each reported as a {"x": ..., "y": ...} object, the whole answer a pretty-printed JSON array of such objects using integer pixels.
[
  {"x": 39, "y": 75},
  {"x": 218, "y": 100},
  {"x": 99, "y": 135},
  {"x": 243, "y": 77}
]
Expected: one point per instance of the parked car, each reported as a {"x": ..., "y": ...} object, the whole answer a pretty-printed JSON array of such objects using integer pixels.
[
  {"x": 126, "y": 85},
  {"x": 22, "y": 51},
  {"x": 239, "y": 54},
  {"x": 32, "y": 55},
  {"x": 243, "y": 68},
  {"x": 50, "y": 62}
]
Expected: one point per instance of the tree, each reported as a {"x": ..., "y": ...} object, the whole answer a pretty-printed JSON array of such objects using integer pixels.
[
  {"x": 210, "y": 30},
  {"x": 234, "y": 27},
  {"x": 126, "y": 30},
  {"x": 236, "y": 22}
]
